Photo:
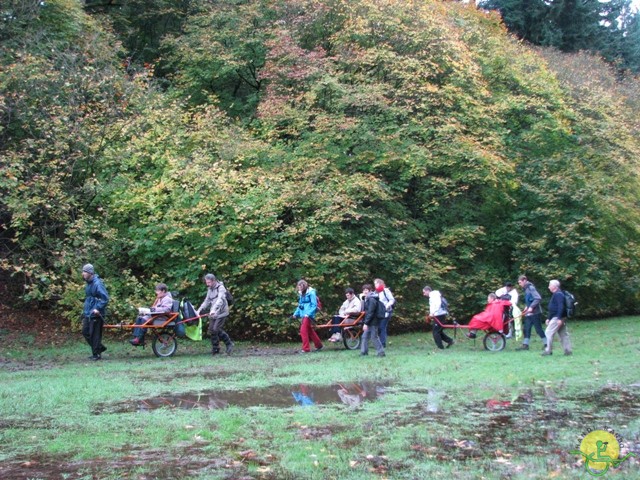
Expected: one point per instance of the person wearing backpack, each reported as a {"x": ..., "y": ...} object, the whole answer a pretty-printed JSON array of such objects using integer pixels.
[
  {"x": 386, "y": 297},
  {"x": 306, "y": 312},
  {"x": 556, "y": 320},
  {"x": 375, "y": 312},
  {"x": 438, "y": 309},
  {"x": 218, "y": 308}
]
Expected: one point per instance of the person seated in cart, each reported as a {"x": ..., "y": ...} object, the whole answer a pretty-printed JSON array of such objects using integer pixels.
[
  {"x": 490, "y": 318},
  {"x": 162, "y": 304},
  {"x": 350, "y": 308}
]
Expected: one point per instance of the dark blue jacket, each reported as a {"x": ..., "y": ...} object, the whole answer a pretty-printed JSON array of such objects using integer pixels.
[
  {"x": 556, "y": 306},
  {"x": 96, "y": 297}
]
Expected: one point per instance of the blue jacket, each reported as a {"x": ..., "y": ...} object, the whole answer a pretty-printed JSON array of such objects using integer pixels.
[
  {"x": 96, "y": 297},
  {"x": 556, "y": 306},
  {"x": 307, "y": 305}
]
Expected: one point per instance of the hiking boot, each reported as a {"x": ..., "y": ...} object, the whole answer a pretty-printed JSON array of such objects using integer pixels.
[
  {"x": 452, "y": 342},
  {"x": 229, "y": 348},
  {"x": 546, "y": 352},
  {"x": 522, "y": 347}
]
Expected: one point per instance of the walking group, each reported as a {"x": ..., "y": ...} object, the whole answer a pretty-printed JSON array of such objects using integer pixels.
[
  {"x": 556, "y": 320},
  {"x": 375, "y": 308},
  {"x": 215, "y": 306},
  {"x": 375, "y": 305}
]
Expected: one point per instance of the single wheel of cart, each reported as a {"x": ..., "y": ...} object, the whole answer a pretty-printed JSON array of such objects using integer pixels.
[
  {"x": 351, "y": 338},
  {"x": 165, "y": 344},
  {"x": 494, "y": 341}
]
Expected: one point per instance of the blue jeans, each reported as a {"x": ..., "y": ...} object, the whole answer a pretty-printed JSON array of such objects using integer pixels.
[
  {"x": 534, "y": 320},
  {"x": 336, "y": 320},
  {"x": 139, "y": 332},
  {"x": 382, "y": 329}
]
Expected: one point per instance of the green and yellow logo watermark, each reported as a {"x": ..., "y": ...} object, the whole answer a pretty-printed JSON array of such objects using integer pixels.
[{"x": 600, "y": 450}]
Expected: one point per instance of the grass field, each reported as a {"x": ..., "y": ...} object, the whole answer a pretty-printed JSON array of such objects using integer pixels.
[{"x": 419, "y": 413}]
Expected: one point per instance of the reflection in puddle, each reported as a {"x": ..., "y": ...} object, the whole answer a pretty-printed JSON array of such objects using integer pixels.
[{"x": 279, "y": 396}]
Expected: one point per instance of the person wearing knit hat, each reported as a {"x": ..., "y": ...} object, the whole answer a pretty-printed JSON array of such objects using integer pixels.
[{"x": 94, "y": 311}]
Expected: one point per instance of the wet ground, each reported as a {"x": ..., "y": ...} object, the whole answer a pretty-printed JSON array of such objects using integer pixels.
[
  {"x": 530, "y": 424},
  {"x": 277, "y": 396},
  {"x": 492, "y": 436}
]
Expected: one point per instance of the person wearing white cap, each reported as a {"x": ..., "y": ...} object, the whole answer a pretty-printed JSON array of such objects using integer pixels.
[{"x": 94, "y": 311}]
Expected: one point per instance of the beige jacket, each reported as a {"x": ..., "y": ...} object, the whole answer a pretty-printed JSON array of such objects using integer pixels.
[{"x": 215, "y": 302}]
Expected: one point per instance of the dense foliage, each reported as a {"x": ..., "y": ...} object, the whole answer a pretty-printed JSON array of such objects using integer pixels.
[
  {"x": 328, "y": 139},
  {"x": 610, "y": 28}
]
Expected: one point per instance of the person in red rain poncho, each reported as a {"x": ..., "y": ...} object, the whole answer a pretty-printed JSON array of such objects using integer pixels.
[{"x": 490, "y": 318}]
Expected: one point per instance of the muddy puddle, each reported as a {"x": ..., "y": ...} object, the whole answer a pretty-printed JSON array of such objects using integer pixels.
[
  {"x": 532, "y": 423},
  {"x": 277, "y": 396}
]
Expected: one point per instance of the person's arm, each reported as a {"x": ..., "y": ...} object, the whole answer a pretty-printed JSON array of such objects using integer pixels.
[
  {"x": 298, "y": 311},
  {"x": 390, "y": 300},
  {"x": 165, "y": 305},
  {"x": 344, "y": 309},
  {"x": 218, "y": 305},
  {"x": 206, "y": 305},
  {"x": 536, "y": 298},
  {"x": 514, "y": 296},
  {"x": 370, "y": 311},
  {"x": 435, "y": 302},
  {"x": 101, "y": 296},
  {"x": 354, "y": 307},
  {"x": 313, "y": 304},
  {"x": 555, "y": 306}
]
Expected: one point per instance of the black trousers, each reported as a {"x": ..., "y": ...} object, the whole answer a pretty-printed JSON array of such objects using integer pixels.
[
  {"x": 438, "y": 332},
  {"x": 92, "y": 333}
]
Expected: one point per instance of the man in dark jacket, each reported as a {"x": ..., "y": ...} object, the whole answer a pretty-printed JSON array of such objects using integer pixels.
[
  {"x": 373, "y": 315},
  {"x": 94, "y": 310},
  {"x": 556, "y": 320},
  {"x": 532, "y": 312}
]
